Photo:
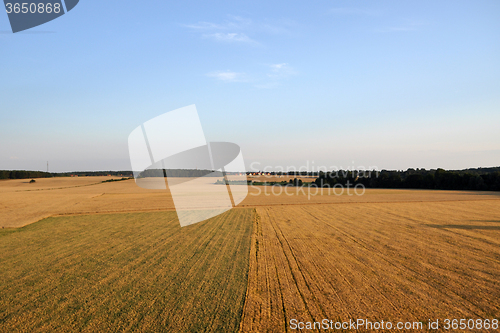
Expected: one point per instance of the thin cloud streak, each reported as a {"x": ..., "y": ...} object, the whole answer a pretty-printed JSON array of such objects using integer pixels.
[
  {"x": 204, "y": 26},
  {"x": 237, "y": 29},
  {"x": 355, "y": 11},
  {"x": 227, "y": 76},
  {"x": 279, "y": 72},
  {"x": 230, "y": 37},
  {"x": 282, "y": 70}
]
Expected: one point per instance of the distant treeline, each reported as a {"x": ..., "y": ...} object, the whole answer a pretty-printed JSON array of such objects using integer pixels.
[
  {"x": 24, "y": 174},
  {"x": 94, "y": 174},
  {"x": 475, "y": 171},
  {"x": 484, "y": 179},
  {"x": 181, "y": 173}
]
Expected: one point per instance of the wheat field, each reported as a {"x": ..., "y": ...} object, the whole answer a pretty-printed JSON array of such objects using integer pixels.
[
  {"x": 125, "y": 272},
  {"x": 112, "y": 257},
  {"x": 391, "y": 261},
  {"x": 22, "y": 203}
]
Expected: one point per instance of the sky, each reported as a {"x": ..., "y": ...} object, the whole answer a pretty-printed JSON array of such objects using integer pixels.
[{"x": 296, "y": 84}]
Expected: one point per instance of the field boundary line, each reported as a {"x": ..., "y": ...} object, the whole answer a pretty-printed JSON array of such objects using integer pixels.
[
  {"x": 92, "y": 213},
  {"x": 115, "y": 212},
  {"x": 58, "y": 188},
  {"x": 238, "y": 207},
  {"x": 151, "y": 210},
  {"x": 357, "y": 202}
]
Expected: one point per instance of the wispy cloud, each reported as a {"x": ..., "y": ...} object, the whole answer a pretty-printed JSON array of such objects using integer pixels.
[
  {"x": 230, "y": 37},
  {"x": 228, "y": 76},
  {"x": 204, "y": 26},
  {"x": 234, "y": 23},
  {"x": 275, "y": 76},
  {"x": 355, "y": 11},
  {"x": 277, "y": 67},
  {"x": 281, "y": 70},
  {"x": 238, "y": 29},
  {"x": 272, "y": 76}
]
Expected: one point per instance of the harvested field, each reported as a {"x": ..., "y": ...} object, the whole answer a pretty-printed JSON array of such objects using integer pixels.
[
  {"x": 51, "y": 183},
  {"x": 22, "y": 203},
  {"x": 386, "y": 261},
  {"x": 125, "y": 272},
  {"x": 392, "y": 255}
]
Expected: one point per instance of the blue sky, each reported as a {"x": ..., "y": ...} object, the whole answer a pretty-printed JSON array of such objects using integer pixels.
[{"x": 390, "y": 84}]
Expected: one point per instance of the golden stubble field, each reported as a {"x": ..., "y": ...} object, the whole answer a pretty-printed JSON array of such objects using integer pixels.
[
  {"x": 113, "y": 257},
  {"x": 22, "y": 203},
  {"x": 132, "y": 272},
  {"x": 386, "y": 261}
]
